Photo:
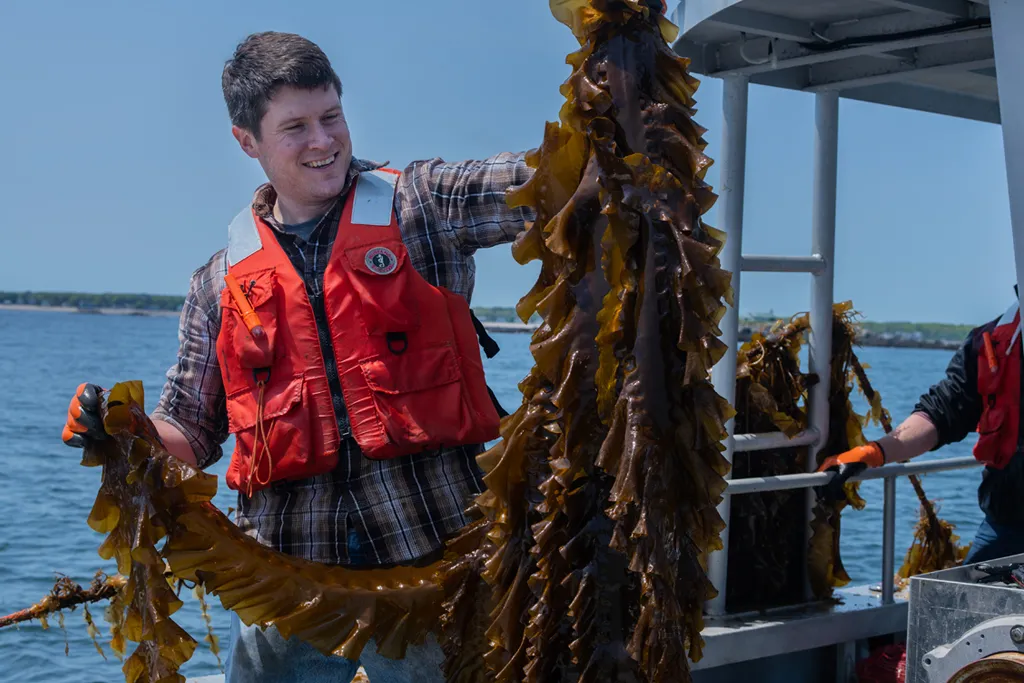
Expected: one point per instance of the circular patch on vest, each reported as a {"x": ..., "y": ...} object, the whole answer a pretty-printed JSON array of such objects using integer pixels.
[{"x": 381, "y": 260}]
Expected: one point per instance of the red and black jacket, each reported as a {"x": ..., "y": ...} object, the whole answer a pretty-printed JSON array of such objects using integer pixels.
[{"x": 981, "y": 393}]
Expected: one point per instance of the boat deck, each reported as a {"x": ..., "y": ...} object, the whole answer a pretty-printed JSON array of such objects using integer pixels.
[
  {"x": 786, "y": 644},
  {"x": 795, "y": 643}
]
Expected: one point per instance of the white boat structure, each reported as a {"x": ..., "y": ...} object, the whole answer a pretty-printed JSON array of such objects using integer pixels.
[{"x": 960, "y": 58}]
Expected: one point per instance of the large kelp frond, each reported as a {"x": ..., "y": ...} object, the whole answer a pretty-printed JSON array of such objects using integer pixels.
[
  {"x": 147, "y": 495},
  {"x": 771, "y": 396},
  {"x": 602, "y": 492},
  {"x": 132, "y": 518}
]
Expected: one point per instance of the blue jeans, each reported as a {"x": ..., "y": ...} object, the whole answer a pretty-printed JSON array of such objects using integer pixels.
[
  {"x": 257, "y": 656},
  {"x": 264, "y": 656},
  {"x": 994, "y": 540}
]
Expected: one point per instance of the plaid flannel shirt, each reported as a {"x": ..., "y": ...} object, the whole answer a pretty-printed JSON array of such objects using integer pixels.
[{"x": 366, "y": 512}]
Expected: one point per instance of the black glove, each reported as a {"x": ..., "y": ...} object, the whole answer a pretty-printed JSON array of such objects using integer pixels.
[
  {"x": 848, "y": 465},
  {"x": 834, "y": 491},
  {"x": 84, "y": 422}
]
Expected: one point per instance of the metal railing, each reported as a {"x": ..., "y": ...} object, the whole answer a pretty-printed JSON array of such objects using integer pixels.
[{"x": 889, "y": 473}]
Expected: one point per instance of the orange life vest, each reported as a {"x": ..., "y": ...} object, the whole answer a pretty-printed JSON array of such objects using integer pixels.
[
  {"x": 406, "y": 353},
  {"x": 999, "y": 355}
]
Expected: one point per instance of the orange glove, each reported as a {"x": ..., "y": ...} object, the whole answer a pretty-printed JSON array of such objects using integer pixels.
[
  {"x": 870, "y": 454},
  {"x": 847, "y": 465},
  {"x": 84, "y": 422}
]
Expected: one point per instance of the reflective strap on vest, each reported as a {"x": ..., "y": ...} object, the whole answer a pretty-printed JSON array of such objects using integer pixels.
[
  {"x": 243, "y": 237},
  {"x": 372, "y": 204},
  {"x": 1008, "y": 317},
  {"x": 374, "y": 199}
]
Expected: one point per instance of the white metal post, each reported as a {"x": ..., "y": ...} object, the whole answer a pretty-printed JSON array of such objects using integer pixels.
[
  {"x": 734, "y": 165},
  {"x": 889, "y": 541},
  {"x": 1007, "y": 30},
  {"x": 823, "y": 246}
]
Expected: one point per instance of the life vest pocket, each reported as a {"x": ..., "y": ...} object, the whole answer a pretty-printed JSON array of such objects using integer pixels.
[
  {"x": 409, "y": 402},
  {"x": 379, "y": 274},
  {"x": 996, "y": 444},
  {"x": 252, "y": 351},
  {"x": 272, "y": 433},
  {"x": 991, "y": 421}
]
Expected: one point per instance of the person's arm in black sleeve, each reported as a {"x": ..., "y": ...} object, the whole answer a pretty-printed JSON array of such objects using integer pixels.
[
  {"x": 953, "y": 405},
  {"x": 947, "y": 413}
]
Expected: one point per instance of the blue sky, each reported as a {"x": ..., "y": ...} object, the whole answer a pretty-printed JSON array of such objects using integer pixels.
[{"x": 119, "y": 172}]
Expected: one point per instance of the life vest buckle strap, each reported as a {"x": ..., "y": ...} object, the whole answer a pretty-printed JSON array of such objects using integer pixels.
[{"x": 398, "y": 342}]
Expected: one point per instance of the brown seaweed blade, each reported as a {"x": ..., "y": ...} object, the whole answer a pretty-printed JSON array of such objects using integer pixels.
[
  {"x": 603, "y": 491},
  {"x": 935, "y": 544},
  {"x": 147, "y": 495}
]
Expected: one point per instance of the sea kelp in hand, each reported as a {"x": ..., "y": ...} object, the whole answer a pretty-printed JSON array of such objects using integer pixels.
[
  {"x": 147, "y": 496},
  {"x": 603, "y": 490}
]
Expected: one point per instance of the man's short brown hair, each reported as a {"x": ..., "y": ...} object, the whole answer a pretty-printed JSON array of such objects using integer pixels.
[{"x": 264, "y": 62}]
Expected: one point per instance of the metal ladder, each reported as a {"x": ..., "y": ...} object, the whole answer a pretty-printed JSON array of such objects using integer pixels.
[{"x": 819, "y": 264}]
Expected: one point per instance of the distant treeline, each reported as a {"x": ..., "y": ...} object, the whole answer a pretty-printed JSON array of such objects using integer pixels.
[
  {"x": 874, "y": 333},
  {"x": 142, "y": 302},
  {"x": 926, "y": 332}
]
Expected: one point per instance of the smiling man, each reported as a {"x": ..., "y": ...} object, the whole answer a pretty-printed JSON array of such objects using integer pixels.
[{"x": 333, "y": 338}]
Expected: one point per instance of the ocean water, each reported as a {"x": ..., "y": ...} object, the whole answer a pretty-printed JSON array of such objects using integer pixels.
[{"x": 45, "y": 495}]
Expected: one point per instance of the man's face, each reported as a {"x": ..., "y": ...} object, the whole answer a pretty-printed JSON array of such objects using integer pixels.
[{"x": 304, "y": 144}]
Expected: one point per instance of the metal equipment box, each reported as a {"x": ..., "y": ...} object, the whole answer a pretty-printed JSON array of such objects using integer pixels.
[{"x": 955, "y": 622}]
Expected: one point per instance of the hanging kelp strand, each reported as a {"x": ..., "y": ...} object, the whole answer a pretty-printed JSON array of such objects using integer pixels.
[
  {"x": 771, "y": 395},
  {"x": 147, "y": 496},
  {"x": 845, "y": 431},
  {"x": 603, "y": 490}
]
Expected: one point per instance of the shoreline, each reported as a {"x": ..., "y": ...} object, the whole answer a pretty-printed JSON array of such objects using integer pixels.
[
  {"x": 866, "y": 339},
  {"x": 156, "y": 313}
]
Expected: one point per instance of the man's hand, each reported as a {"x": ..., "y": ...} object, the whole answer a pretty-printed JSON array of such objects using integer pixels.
[
  {"x": 847, "y": 465},
  {"x": 84, "y": 422}
]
